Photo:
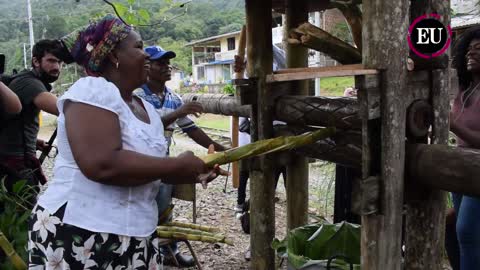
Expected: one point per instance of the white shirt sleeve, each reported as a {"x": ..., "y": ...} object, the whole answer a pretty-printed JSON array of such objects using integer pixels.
[{"x": 93, "y": 91}]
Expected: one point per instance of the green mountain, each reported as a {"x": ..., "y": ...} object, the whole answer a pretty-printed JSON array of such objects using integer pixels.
[{"x": 174, "y": 25}]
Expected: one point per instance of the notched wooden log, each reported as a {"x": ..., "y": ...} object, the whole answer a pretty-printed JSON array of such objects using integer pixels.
[{"x": 317, "y": 39}]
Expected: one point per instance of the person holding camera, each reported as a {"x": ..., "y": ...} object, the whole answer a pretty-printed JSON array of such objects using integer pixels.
[{"x": 18, "y": 137}]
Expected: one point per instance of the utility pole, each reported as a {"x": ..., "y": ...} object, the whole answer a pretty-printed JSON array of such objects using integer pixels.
[
  {"x": 30, "y": 26},
  {"x": 25, "y": 55}
]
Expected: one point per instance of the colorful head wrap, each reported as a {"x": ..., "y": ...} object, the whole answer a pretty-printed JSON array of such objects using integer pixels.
[{"x": 90, "y": 46}]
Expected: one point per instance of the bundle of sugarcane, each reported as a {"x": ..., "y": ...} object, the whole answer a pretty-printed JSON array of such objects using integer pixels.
[
  {"x": 193, "y": 226},
  {"x": 267, "y": 146},
  {"x": 6, "y": 246},
  {"x": 181, "y": 233}
]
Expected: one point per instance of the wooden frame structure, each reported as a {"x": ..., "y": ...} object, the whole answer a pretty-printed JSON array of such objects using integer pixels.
[{"x": 400, "y": 201}]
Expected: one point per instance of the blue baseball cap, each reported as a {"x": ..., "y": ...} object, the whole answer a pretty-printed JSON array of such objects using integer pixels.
[{"x": 156, "y": 52}]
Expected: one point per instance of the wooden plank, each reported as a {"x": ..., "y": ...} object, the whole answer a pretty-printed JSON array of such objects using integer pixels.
[
  {"x": 385, "y": 26},
  {"x": 262, "y": 193},
  {"x": 319, "y": 69},
  {"x": 318, "y": 73},
  {"x": 365, "y": 202},
  {"x": 296, "y": 13}
]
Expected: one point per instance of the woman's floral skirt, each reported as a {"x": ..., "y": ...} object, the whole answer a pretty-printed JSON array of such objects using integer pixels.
[{"x": 58, "y": 246}]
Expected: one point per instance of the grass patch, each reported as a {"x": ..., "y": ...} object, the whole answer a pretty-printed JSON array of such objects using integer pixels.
[
  {"x": 335, "y": 86},
  {"x": 213, "y": 121}
]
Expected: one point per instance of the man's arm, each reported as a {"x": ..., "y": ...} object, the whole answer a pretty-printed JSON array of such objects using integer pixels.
[
  {"x": 199, "y": 136},
  {"x": 194, "y": 108},
  {"x": 47, "y": 102},
  {"x": 9, "y": 100}
]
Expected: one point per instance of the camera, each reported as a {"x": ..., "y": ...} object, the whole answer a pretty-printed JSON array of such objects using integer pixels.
[{"x": 2, "y": 63}]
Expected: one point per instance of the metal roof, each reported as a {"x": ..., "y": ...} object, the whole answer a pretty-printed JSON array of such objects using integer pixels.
[
  {"x": 210, "y": 39},
  {"x": 466, "y": 13}
]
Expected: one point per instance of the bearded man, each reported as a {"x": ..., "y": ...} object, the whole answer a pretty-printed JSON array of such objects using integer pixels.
[{"x": 18, "y": 135}]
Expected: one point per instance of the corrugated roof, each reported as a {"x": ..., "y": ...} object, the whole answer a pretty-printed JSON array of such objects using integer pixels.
[
  {"x": 466, "y": 13},
  {"x": 229, "y": 61},
  {"x": 209, "y": 39}
]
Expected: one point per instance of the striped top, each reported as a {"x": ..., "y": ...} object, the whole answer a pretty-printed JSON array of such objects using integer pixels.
[{"x": 168, "y": 104}]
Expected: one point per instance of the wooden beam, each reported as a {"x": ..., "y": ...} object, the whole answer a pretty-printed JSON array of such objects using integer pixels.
[
  {"x": 296, "y": 13},
  {"x": 262, "y": 193},
  {"x": 425, "y": 207},
  {"x": 319, "y": 72},
  {"x": 385, "y": 26},
  {"x": 341, "y": 112},
  {"x": 242, "y": 44},
  {"x": 459, "y": 173},
  {"x": 344, "y": 148},
  {"x": 320, "y": 40}
]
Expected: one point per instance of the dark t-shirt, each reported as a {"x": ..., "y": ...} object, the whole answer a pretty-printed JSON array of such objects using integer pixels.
[{"x": 22, "y": 129}]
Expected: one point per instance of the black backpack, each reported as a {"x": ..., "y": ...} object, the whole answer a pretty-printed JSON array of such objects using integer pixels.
[{"x": 6, "y": 79}]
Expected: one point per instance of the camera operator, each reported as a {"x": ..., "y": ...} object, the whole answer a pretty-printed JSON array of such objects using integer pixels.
[{"x": 18, "y": 137}]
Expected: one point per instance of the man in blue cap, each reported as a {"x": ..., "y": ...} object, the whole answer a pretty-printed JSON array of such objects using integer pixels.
[{"x": 173, "y": 111}]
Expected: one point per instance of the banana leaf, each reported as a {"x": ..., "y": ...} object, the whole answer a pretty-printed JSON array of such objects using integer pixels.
[{"x": 311, "y": 246}]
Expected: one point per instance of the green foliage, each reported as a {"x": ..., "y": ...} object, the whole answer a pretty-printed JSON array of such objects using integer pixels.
[
  {"x": 131, "y": 15},
  {"x": 314, "y": 244},
  {"x": 14, "y": 216},
  {"x": 229, "y": 89},
  {"x": 342, "y": 31},
  {"x": 174, "y": 25},
  {"x": 219, "y": 122},
  {"x": 335, "y": 86}
]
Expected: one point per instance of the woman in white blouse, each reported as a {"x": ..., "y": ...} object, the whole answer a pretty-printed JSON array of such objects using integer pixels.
[{"x": 99, "y": 209}]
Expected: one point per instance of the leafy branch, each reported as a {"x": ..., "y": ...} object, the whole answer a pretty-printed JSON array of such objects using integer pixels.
[{"x": 141, "y": 17}]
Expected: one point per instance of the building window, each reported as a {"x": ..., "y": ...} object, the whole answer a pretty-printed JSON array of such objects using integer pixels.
[
  {"x": 231, "y": 43},
  {"x": 200, "y": 73},
  {"x": 227, "y": 75}
]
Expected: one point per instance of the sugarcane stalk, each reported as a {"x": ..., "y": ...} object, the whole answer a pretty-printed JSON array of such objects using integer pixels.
[
  {"x": 266, "y": 146},
  {"x": 186, "y": 230},
  {"x": 192, "y": 226},
  {"x": 193, "y": 237},
  {"x": 16, "y": 260}
]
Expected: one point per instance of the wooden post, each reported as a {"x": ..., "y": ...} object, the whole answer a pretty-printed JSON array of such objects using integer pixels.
[
  {"x": 385, "y": 25},
  {"x": 234, "y": 136},
  {"x": 297, "y": 171},
  {"x": 238, "y": 75},
  {"x": 259, "y": 64},
  {"x": 425, "y": 208}
]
